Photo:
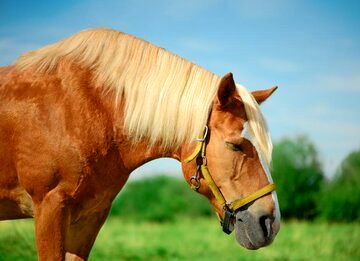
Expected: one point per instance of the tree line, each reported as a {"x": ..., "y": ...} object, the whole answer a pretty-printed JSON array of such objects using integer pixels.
[
  {"x": 302, "y": 188},
  {"x": 303, "y": 191}
]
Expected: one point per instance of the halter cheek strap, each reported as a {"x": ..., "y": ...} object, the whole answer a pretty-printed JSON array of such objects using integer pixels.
[{"x": 229, "y": 209}]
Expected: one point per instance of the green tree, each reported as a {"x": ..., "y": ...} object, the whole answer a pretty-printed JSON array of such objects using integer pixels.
[
  {"x": 298, "y": 176},
  {"x": 340, "y": 199}
]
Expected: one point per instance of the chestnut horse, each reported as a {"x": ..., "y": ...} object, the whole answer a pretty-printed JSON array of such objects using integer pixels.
[{"x": 78, "y": 116}]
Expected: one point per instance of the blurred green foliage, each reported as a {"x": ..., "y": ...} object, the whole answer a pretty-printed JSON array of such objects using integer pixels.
[
  {"x": 340, "y": 199},
  {"x": 298, "y": 176},
  {"x": 159, "y": 198}
]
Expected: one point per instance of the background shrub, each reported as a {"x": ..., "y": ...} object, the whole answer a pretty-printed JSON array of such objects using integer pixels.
[
  {"x": 159, "y": 198},
  {"x": 298, "y": 176},
  {"x": 340, "y": 199}
]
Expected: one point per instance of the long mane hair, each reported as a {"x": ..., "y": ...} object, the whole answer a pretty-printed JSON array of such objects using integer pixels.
[{"x": 167, "y": 98}]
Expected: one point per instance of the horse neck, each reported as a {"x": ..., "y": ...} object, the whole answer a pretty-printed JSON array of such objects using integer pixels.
[{"x": 134, "y": 155}]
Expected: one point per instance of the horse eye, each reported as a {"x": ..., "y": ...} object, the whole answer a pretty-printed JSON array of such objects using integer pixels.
[{"x": 234, "y": 147}]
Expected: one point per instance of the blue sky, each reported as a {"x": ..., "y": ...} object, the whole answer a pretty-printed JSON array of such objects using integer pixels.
[{"x": 310, "y": 49}]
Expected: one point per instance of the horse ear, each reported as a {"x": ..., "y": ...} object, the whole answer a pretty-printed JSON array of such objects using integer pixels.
[
  {"x": 227, "y": 89},
  {"x": 262, "y": 95}
]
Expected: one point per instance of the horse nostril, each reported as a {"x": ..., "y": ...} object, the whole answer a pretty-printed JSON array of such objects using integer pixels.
[{"x": 265, "y": 224}]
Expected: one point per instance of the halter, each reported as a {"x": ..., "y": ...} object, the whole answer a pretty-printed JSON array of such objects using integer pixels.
[{"x": 229, "y": 209}]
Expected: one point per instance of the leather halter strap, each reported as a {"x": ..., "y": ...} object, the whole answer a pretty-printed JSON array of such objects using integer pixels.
[{"x": 200, "y": 157}]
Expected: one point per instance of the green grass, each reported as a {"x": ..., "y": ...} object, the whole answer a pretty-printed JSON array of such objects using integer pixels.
[{"x": 195, "y": 239}]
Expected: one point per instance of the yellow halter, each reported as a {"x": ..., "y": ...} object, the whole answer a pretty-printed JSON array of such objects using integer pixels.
[{"x": 228, "y": 208}]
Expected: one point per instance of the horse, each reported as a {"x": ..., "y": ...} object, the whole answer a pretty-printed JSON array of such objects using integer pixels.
[{"x": 78, "y": 116}]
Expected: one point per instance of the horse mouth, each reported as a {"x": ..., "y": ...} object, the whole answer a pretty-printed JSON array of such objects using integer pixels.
[{"x": 253, "y": 232}]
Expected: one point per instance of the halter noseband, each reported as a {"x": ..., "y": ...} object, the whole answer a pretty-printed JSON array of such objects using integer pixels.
[{"x": 229, "y": 209}]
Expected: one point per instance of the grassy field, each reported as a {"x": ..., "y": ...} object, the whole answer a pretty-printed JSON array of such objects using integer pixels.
[{"x": 197, "y": 239}]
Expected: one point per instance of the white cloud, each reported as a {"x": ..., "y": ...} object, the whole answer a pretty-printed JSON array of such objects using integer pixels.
[
  {"x": 347, "y": 83},
  {"x": 279, "y": 65},
  {"x": 199, "y": 45},
  {"x": 256, "y": 9},
  {"x": 186, "y": 9},
  {"x": 334, "y": 134}
]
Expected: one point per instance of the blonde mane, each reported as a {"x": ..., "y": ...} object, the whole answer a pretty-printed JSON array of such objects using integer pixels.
[
  {"x": 258, "y": 126},
  {"x": 167, "y": 98}
]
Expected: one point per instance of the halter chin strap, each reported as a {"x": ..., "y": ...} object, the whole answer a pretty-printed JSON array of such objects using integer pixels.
[{"x": 229, "y": 209}]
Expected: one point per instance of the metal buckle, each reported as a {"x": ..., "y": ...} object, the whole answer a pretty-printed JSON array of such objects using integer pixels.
[
  {"x": 228, "y": 222},
  {"x": 205, "y": 134}
]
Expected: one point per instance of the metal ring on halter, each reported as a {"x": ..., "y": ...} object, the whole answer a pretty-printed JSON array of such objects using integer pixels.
[
  {"x": 194, "y": 185},
  {"x": 205, "y": 134}
]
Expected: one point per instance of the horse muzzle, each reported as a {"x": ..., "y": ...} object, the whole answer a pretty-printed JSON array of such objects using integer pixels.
[{"x": 255, "y": 230}]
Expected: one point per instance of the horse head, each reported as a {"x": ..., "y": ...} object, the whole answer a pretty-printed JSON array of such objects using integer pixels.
[{"x": 231, "y": 162}]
